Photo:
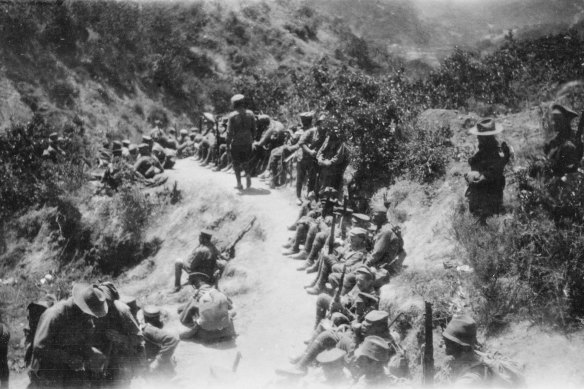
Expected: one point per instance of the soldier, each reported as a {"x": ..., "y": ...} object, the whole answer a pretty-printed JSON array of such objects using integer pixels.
[
  {"x": 126, "y": 149},
  {"x": 310, "y": 142},
  {"x": 241, "y": 130},
  {"x": 208, "y": 140},
  {"x": 486, "y": 180},
  {"x": 325, "y": 303},
  {"x": 113, "y": 176},
  {"x": 203, "y": 260},
  {"x": 147, "y": 165},
  {"x": 464, "y": 365},
  {"x": 184, "y": 144},
  {"x": 351, "y": 259},
  {"x": 133, "y": 150},
  {"x": 345, "y": 337},
  {"x": 564, "y": 152},
  {"x": 61, "y": 355},
  {"x": 208, "y": 314},
  {"x": 4, "y": 371},
  {"x": 275, "y": 135},
  {"x": 159, "y": 344},
  {"x": 334, "y": 368},
  {"x": 119, "y": 337},
  {"x": 370, "y": 360},
  {"x": 332, "y": 159}
]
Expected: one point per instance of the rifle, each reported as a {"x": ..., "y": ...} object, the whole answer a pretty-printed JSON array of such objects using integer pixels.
[
  {"x": 230, "y": 250},
  {"x": 331, "y": 242},
  {"x": 428, "y": 363},
  {"x": 337, "y": 297},
  {"x": 343, "y": 227}
]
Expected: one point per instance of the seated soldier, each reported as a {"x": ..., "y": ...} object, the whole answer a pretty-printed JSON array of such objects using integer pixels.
[
  {"x": 184, "y": 145},
  {"x": 159, "y": 344},
  {"x": 334, "y": 371},
  {"x": 113, "y": 175},
  {"x": 207, "y": 314},
  {"x": 345, "y": 337},
  {"x": 62, "y": 357},
  {"x": 308, "y": 205},
  {"x": 350, "y": 259},
  {"x": 118, "y": 335},
  {"x": 224, "y": 158},
  {"x": 369, "y": 362},
  {"x": 147, "y": 165},
  {"x": 325, "y": 303},
  {"x": 204, "y": 259}
]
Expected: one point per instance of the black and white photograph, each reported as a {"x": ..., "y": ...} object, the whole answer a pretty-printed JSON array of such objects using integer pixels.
[{"x": 296, "y": 194}]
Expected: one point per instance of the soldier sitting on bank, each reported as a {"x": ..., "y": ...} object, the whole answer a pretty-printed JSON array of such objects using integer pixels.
[
  {"x": 159, "y": 344},
  {"x": 204, "y": 259},
  {"x": 208, "y": 314},
  {"x": 369, "y": 363},
  {"x": 147, "y": 165}
]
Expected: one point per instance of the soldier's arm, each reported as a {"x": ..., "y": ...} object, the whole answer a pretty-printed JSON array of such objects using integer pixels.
[
  {"x": 319, "y": 154},
  {"x": 303, "y": 142},
  {"x": 229, "y": 135},
  {"x": 339, "y": 156},
  {"x": 46, "y": 346},
  {"x": 254, "y": 127},
  {"x": 387, "y": 246},
  {"x": 267, "y": 135}
]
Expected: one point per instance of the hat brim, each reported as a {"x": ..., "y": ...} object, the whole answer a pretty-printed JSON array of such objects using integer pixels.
[
  {"x": 359, "y": 353},
  {"x": 80, "y": 302},
  {"x": 455, "y": 340},
  {"x": 475, "y": 131}
]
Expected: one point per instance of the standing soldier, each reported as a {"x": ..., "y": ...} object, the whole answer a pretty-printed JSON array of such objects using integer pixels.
[
  {"x": 241, "y": 129},
  {"x": 332, "y": 159},
  {"x": 564, "y": 152},
  {"x": 203, "y": 260},
  {"x": 486, "y": 180},
  {"x": 309, "y": 143}
]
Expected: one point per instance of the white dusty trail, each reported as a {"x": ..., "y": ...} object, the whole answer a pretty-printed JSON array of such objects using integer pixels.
[{"x": 273, "y": 317}]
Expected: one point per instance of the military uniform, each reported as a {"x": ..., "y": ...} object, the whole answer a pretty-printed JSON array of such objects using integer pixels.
[
  {"x": 486, "y": 180},
  {"x": 332, "y": 159},
  {"x": 202, "y": 260},
  {"x": 159, "y": 344},
  {"x": 147, "y": 165},
  {"x": 208, "y": 317},
  {"x": 564, "y": 152},
  {"x": 241, "y": 131},
  {"x": 62, "y": 356},
  {"x": 310, "y": 142}
]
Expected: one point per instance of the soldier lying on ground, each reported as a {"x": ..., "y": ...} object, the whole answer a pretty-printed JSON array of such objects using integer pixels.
[{"x": 208, "y": 314}]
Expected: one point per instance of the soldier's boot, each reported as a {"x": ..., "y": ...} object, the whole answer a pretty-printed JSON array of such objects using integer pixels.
[
  {"x": 292, "y": 227},
  {"x": 312, "y": 269},
  {"x": 248, "y": 181},
  {"x": 238, "y": 179},
  {"x": 319, "y": 285},
  {"x": 305, "y": 265},
  {"x": 302, "y": 255}
]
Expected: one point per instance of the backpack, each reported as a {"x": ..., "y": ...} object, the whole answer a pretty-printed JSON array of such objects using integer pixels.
[{"x": 501, "y": 372}]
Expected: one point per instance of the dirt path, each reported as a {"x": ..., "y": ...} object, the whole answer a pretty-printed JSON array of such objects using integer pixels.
[{"x": 273, "y": 317}]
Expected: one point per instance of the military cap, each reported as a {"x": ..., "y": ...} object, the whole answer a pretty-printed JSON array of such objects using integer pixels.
[
  {"x": 207, "y": 233},
  {"x": 151, "y": 312},
  {"x": 332, "y": 356},
  {"x": 311, "y": 195},
  {"x": 60, "y": 139},
  {"x": 373, "y": 347},
  {"x": 237, "y": 98},
  {"x": 116, "y": 145},
  {"x": 329, "y": 191},
  {"x": 365, "y": 270},
  {"x": 263, "y": 117},
  {"x": 462, "y": 329},
  {"x": 358, "y": 231},
  {"x": 172, "y": 130},
  {"x": 376, "y": 317},
  {"x": 558, "y": 109},
  {"x": 133, "y": 148},
  {"x": 361, "y": 218},
  {"x": 146, "y": 138},
  {"x": 486, "y": 127},
  {"x": 143, "y": 146},
  {"x": 184, "y": 132},
  {"x": 378, "y": 208},
  {"x": 337, "y": 318},
  {"x": 342, "y": 211},
  {"x": 209, "y": 117},
  {"x": 307, "y": 115},
  {"x": 126, "y": 142},
  {"x": 53, "y": 136}
]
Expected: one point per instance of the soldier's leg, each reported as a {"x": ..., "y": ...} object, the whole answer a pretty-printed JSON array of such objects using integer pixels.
[
  {"x": 324, "y": 341},
  {"x": 179, "y": 266},
  {"x": 235, "y": 157},
  {"x": 311, "y": 177},
  {"x": 300, "y": 177},
  {"x": 319, "y": 242},
  {"x": 4, "y": 371},
  {"x": 323, "y": 302}
]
